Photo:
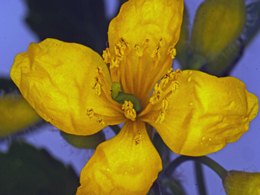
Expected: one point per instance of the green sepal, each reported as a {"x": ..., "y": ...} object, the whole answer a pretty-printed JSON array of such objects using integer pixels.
[
  {"x": 26, "y": 170},
  {"x": 88, "y": 142}
]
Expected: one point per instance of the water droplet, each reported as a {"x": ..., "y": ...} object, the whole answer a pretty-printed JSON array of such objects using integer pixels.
[{"x": 189, "y": 79}]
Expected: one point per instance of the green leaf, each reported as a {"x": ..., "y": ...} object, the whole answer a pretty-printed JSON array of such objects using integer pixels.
[
  {"x": 78, "y": 21},
  {"x": 26, "y": 170},
  {"x": 89, "y": 142}
]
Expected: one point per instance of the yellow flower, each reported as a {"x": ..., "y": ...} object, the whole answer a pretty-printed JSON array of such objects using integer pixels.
[
  {"x": 70, "y": 86},
  {"x": 242, "y": 183}
]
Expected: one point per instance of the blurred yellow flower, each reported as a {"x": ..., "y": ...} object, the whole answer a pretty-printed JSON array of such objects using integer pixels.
[
  {"x": 70, "y": 86},
  {"x": 242, "y": 183},
  {"x": 16, "y": 114}
]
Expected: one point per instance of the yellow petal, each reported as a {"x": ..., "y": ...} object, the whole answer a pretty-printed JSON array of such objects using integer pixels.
[
  {"x": 217, "y": 24},
  {"x": 242, "y": 183},
  {"x": 141, "y": 43},
  {"x": 201, "y": 113},
  {"x": 68, "y": 85},
  {"x": 127, "y": 164},
  {"x": 16, "y": 114}
]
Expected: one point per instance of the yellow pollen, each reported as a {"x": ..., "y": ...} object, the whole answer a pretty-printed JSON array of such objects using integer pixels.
[
  {"x": 115, "y": 63},
  {"x": 138, "y": 138},
  {"x": 156, "y": 53},
  {"x": 97, "y": 86},
  {"x": 160, "y": 117},
  {"x": 162, "y": 112},
  {"x": 106, "y": 56},
  {"x": 140, "y": 49},
  {"x": 129, "y": 110},
  {"x": 98, "y": 81},
  {"x": 92, "y": 115},
  {"x": 172, "y": 52},
  {"x": 165, "y": 87},
  {"x": 156, "y": 94},
  {"x": 120, "y": 48}
]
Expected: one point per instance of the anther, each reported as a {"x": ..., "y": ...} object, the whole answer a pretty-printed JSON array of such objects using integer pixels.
[
  {"x": 129, "y": 110},
  {"x": 97, "y": 86},
  {"x": 92, "y": 115},
  {"x": 172, "y": 52},
  {"x": 106, "y": 56}
]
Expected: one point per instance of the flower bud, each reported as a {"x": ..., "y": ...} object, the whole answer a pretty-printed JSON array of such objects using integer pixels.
[
  {"x": 16, "y": 114},
  {"x": 242, "y": 183}
]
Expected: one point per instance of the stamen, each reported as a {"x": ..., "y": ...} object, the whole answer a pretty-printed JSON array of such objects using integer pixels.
[
  {"x": 106, "y": 56},
  {"x": 165, "y": 87},
  {"x": 97, "y": 86},
  {"x": 164, "y": 107},
  {"x": 129, "y": 110},
  {"x": 141, "y": 49},
  {"x": 138, "y": 137},
  {"x": 98, "y": 83},
  {"x": 172, "y": 52},
  {"x": 114, "y": 63},
  {"x": 156, "y": 53},
  {"x": 120, "y": 48},
  {"x": 163, "y": 90},
  {"x": 92, "y": 115}
]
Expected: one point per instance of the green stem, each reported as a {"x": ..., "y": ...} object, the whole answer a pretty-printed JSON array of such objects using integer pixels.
[
  {"x": 217, "y": 168},
  {"x": 200, "y": 178}
]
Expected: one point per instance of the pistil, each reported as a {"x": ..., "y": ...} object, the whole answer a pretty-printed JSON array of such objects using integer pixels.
[{"x": 130, "y": 104}]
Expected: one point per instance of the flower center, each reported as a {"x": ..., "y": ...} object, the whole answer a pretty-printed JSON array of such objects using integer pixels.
[
  {"x": 129, "y": 110},
  {"x": 130, "y": 104}
]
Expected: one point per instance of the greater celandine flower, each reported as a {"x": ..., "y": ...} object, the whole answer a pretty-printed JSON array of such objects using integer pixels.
[{"x": 70, "y": 86}]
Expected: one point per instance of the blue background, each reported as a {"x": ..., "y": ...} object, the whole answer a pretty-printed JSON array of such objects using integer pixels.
[{"x": 243, "y": 155}]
